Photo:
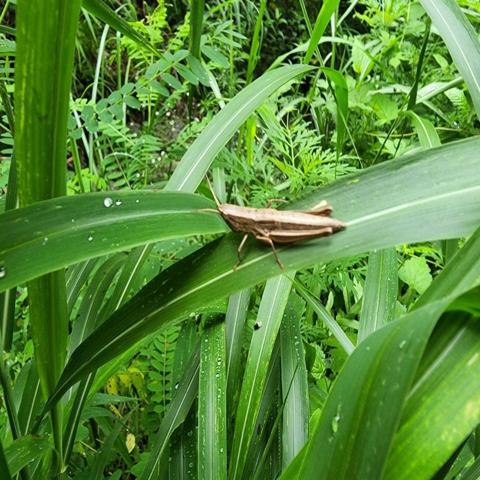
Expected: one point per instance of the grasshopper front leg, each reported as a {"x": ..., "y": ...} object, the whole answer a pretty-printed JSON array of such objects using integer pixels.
[
  {"x": 264, "y": 237},
  {"x": 239, "y": 250}
]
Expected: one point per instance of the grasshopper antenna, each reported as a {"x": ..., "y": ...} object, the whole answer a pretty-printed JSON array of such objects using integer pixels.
[{"x": 213, "y": 191}]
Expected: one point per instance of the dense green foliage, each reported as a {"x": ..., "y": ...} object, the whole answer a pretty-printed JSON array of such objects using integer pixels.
[{"x": 134, "y": 345}]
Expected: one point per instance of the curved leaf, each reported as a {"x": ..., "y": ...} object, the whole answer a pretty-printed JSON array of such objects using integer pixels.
[
  {"x": 443, "y": 406},
  {"x": 196, "y": 161},
  {"x": 270, "y": 313},
  {"x": 101, "y": 10},
  {"x": 212, "y": 405},
  {"x": 358, "y": 422},
  {"x": 430, "y": 195},
  {"x": 324, "y": 15},
  {"x": 56, "y": 233},
  {"x": 380, "y": 292},
  {"x": 461, "y": 40},
  {"x": 26, "y": 450}
]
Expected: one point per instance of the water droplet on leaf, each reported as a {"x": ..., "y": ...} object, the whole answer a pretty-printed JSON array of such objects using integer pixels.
[{"x": 107, "y": 202}]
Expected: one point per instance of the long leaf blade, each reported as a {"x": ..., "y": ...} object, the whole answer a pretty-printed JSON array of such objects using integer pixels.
[
  {"x": 461, "y": 40},
  {"x": 39, "y": 237},
  {"x": 270, "y": 313},
  {"x": 197, "y": 159},
  {"x": 435, "y": 201},
  {"x": 212, "y": 405}
]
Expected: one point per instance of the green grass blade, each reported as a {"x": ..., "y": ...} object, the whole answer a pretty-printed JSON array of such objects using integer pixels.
[
  {"x": 341, "y": 100},
  {"x": 459, "y": 275},
  {"x": 443, "y": 406},
  {"x": 46, "y": 32},
  {"x": 438, "y": 198},
  {"x": 255, "y": 43},
  {"x": 198, "y": 158},
  {"x": 473, "y": 471},
  {"x": 25, "y": 451},
  {"x": 294, "y": 383},
  {"x": 326, "y": 318},
  {"x": 39, "y": 237},
  {"x": 196, "y": 24},
  {"x": 76, "y": 277},
  {"x": 461, "y": 40},
  {"x": 270, "y": 313},
  {"x": 212, "y": 405},
  {"x": 102, "y": 11},
  {"x": 358, "y": 422},
  {"x": 183, "y": 445},
  {"x": 4, "y": 470},
  {"x": 7, "y": 299},
  {"x": 326, "y": 12},
  {"x": 380, "y": 292},
  {"x": 427, "y": 135},
  {"x": 132, "y": 269},
  {"x": 176, "y": 414},
  {"x": 30, "y": 404},
  {"x": 235, "y": 324},
  {"x": 88, "y": 316}
]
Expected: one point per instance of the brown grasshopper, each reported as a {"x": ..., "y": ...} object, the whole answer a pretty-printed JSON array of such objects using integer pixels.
[{"x": 272, "y": 226}]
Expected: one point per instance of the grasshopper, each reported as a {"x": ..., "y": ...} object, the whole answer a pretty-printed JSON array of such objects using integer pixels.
[{"x": 272, "y": 226}]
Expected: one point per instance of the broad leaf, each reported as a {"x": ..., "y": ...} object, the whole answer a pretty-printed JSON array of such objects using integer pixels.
[
  {"x": 427, "y": 196},
  {"x": 40, "y": 238}
]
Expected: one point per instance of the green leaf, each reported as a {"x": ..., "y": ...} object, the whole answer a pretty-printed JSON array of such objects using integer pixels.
[
  {"x": 429, "y": 195},
  {"x": 461, "y": 40},
  {"x": 39, "y": 237},
  {"x": 358, "y": 422},
  {"x": 176, "y": 414},
  {"x": 443, "y": 406},
  {"x": 335, "y": 329},
  {"x": 385, "y": 109},
  {"x": 380, "y": 292},
  {"x": 25, "y": 451},
  {"x": 198, "y": 158},
  {"x": 427, "y": 135},
  {"x": 270, "y": 313},
  {"x": 46, "y": 34},
  {"x": 212, "y": 405},
  {"x": 459, "y": 275},
  {"x": 294, "y": 382},
  {"x": 235, "y": 320},
  {"x": 101, "y": 10},
  {"x": 196, "y": 23},
  {"x": 416, "y": 274},
  {"x": 341, "y": 99},
  {"x": 326, "y": 12},
  {"x": 4, "y": 470}
]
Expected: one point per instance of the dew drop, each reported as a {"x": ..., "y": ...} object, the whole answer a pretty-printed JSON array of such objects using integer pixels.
[
  {"x": 137, "y": 201},
  {"x": 90, "y": 238},
  {"x": 3, "y": 271},
  {"x": 107, "y": 202},
  {"x": 335, "y": 422},
  {"x": 118, "y": 203},
  {"x": 402, "y": 344}
]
